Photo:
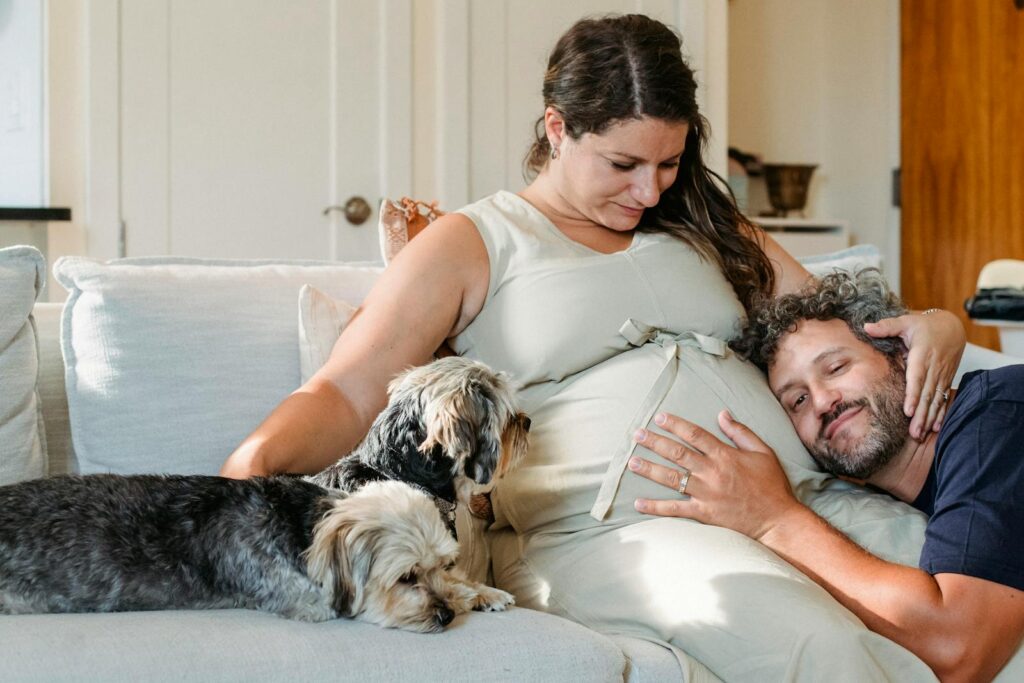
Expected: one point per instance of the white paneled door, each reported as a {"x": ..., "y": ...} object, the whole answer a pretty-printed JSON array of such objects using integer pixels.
[
  {"x": 225, "y": 128},
  {"x": 242, "y": 122}
]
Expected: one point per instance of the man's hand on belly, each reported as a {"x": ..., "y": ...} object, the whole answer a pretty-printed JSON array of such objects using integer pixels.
[{"x": 741, "y": 487}]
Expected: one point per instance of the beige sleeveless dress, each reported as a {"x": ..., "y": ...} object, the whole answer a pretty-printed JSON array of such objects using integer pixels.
[{"x": 599, "y": 343}]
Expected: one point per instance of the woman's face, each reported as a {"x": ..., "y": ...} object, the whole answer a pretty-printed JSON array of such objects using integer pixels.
[{"x": 612, "y": 177}]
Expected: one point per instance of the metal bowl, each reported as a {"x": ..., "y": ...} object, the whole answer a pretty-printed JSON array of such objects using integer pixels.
[{"x": 787, "y": 186}]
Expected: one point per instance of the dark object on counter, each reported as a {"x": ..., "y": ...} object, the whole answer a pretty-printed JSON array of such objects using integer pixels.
[
  {"x": 1002, "y": 303},
  {"x": 751, "y": 163},
  {"x": 787, "y": 186}
]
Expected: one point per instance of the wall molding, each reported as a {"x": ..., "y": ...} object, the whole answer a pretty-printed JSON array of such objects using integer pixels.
[
  {"x": 452, "y": 158},
  {"x": 102, "y": 222}
]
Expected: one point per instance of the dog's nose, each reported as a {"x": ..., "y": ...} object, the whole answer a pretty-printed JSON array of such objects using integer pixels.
[
  {"x": 443, "y": 616},
  {"x": 526, "y": 423}
]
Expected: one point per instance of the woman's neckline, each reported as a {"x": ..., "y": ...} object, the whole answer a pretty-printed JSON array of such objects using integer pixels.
[{"x": 550, "y": 225}]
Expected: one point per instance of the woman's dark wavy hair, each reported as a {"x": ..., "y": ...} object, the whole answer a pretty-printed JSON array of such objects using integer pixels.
[
  {"x": 855, "y": 298},
  {"x": 612, "y": 69}
]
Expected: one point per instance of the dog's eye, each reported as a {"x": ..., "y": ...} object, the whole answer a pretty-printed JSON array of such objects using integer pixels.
[
  {"x": 408, "y": 577},
  {"x": 450, "y": 566}
]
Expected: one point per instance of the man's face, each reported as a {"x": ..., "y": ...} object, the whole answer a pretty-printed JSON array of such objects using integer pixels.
[{"x": 844, "y": 397}]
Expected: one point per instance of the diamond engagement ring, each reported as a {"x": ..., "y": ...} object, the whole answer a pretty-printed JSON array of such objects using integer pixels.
[
  {"x": 944, "y": 395},
  {"x": 684, "y": 479}
]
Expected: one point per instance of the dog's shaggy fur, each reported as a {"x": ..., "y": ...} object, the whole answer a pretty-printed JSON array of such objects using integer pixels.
[
  {"x": 451, "y": 428},
  {"x": 104, "y": 543}
]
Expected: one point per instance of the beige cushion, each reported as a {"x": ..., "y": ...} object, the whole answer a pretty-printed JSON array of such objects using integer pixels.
[
  {"x": 321, "y": 321},
  {"x": 22, "y": 435},
  {"x": 1002, "y": 273}
]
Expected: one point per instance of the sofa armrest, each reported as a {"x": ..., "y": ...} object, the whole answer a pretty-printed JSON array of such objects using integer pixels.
[{"x": 979, "y": 358}]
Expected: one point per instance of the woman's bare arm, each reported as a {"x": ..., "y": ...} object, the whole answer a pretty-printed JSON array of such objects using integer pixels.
[
  {"x": 431, "y": 291},
  {"x": 790, "y": 275}
]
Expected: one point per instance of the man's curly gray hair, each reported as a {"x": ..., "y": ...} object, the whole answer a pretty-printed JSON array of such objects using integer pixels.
[{"x": 855, "y": 298}]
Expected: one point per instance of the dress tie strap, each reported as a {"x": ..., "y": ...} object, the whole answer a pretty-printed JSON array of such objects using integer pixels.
[{"x": 639, "y": 334}]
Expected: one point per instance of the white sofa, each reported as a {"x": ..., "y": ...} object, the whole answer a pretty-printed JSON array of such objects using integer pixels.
[
  {"x": 119, "y": 316},
  {"x": 169, "y": 363}
]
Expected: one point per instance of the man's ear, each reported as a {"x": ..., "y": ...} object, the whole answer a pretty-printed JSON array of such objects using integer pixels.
[{"x": 898, "y": 359}]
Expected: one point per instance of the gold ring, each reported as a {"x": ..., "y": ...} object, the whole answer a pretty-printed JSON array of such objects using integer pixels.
[{"x": 684, "y": 479}]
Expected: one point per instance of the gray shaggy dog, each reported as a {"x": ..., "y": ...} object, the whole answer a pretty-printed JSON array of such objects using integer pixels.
[
  {"x": 106, "y": 543},
  {"x": 364, "y": 539}
]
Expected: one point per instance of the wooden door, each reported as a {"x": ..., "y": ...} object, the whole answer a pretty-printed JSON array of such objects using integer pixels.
[
  {"x": 962, "y": 148},
  {"x": 242, "y": 121}
]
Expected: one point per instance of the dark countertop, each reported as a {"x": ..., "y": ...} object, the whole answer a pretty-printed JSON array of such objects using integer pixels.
[{"x": 33, "y": 214}]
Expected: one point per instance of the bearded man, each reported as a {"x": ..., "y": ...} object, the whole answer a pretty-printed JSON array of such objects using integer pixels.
[{"x": 962, "y": 610}]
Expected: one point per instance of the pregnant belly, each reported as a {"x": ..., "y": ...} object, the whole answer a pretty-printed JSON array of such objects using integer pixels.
[{"x": 580, "y": 427}]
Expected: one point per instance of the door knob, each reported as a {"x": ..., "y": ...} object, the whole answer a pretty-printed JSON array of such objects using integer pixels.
[{"x": 356, "y": 210}]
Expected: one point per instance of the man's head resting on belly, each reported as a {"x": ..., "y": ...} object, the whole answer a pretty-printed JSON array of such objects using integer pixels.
[{"x": 842, "y": 389}]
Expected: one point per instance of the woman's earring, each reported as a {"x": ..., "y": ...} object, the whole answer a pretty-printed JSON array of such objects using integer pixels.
[{"x": 554, "y": 152}]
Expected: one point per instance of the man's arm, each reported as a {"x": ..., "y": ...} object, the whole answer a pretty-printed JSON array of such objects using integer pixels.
[{"x": 964, "y": 628}]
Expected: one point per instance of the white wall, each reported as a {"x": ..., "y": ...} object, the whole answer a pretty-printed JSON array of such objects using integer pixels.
[
  {"x": 22, "y": 133},
  {"x": 817, "y": 81},
  {"x": 808, "y": 80}
]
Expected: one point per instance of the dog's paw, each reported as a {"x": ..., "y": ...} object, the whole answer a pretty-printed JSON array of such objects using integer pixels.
[{"x": 492, "y": 599}]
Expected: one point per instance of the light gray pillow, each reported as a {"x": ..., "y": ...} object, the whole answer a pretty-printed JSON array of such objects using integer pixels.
[
  {"x": 22, "y": 437},
  {"x": 849, "y": 259},
  {"x": 171, "y": 362}
]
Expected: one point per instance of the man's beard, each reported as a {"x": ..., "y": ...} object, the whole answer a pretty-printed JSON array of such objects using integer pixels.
[{"x": 888, "y": 433}]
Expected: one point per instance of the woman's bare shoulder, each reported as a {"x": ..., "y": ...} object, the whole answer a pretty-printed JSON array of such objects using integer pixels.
[{"x": 449, "y": 255}]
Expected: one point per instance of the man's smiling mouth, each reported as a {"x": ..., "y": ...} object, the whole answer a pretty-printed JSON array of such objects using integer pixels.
[{"x": 842, "y": 419}]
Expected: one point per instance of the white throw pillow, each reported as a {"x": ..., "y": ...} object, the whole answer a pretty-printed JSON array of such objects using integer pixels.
[
  {"x": 321, "y": 321},
  {"x": 171, "y": 362},
  {"x": 850, "y": 259},
  {"x": 22, "y": 437}
]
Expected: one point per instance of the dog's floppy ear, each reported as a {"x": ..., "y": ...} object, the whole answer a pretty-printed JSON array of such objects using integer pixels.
[
  {"x": 336, "y": 559},
  {"x": 514, "y": 443},
  {"x": 483, "y": 462},
  {"x": 447, "y": 419}
]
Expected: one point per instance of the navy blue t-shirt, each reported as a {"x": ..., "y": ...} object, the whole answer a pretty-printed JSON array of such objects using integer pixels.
[{"x": 974, "y": 495}]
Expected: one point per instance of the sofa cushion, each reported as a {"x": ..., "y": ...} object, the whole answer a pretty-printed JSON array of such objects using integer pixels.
[
  {"x": 648, "y": 661},
  {"x": 321, "y": 321},
  {"x": 22, "y": 437},
  {"x": 851, "y": 258},
  {"x": 171, "y": 362},
  {"x": 239, "y": 645}
]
